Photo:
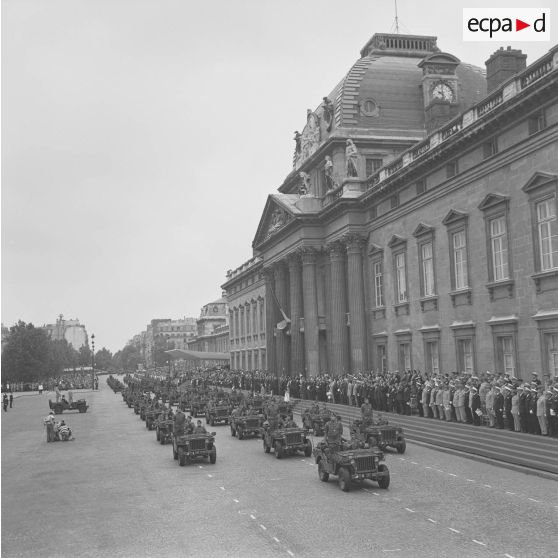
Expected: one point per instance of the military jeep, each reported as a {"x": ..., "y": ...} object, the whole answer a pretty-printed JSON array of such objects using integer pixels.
[
  {"x": 150, "y": 418},
  {"x": 163, "y": 430},
  {"x": 61, "y": 406},
  {"x": 286, "y": 441},
  {"x": 351, "y": 465},
  {"x": 192, "y": 446},
  {"x": 380, "y": 433},
  {"x": 244, "y": 426},
  {"x": 217, "y": 414},
  {"x": 316, "y": 421}
]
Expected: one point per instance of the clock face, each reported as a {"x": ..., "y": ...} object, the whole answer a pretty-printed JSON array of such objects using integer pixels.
[{"x": 443, "y": 91}]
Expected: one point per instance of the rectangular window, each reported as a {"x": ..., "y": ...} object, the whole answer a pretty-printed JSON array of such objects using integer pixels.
[
  {"x": 262, "y": 321},
  {"x": 394, "y": 202},
  {"x": 427, "y": 261},
  {"x": 552, "y": 343},
  {"x": 420, "y": 186},
  {"x": 378, "y": 284},
  {"x": 536, "y": 123},
  {"x": 465, "y": 355},
  {"x": 460, "y": 260},
  {"x": 372, "y": 165},
  {"x": 499, "y": 248},
  {"x": 248, "y": 324},
  {"x": 405, "y": 356},
  {"x": 547, "y": 228},
  {"x": 381, "y": 355},
  {"x": 432, "y": 357},
  {"x": 401, "y": 278},
  {"x": 451, "y": 169},
  {"x": 506, "y": 349},
  {"x": 490, "y": 148}
]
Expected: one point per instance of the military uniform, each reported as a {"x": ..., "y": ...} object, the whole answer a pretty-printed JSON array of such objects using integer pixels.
[
  {"x": 366, "y": 413},
  {"x": 333, "y": 434}
]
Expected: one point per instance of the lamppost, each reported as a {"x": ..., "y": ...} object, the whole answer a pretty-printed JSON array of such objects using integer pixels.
[{"x": 93, "y": 361}]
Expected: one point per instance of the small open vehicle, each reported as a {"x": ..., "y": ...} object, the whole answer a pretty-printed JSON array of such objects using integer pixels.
[
  {"x": 193, "y": 446},
  {"x": 63, "y": 405}
]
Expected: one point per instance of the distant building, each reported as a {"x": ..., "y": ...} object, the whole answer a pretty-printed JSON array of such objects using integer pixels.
[
  {"x": 71, "y": 330},
  {"x": 212, "y": 328},
  {"x": 172, "y": 334},
  {"x": 245, "y": 288}
]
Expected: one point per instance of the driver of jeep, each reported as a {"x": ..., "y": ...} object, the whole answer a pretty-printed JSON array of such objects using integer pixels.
[
  {"x": 199, "y": 429},
  {"x": 290, "y": 423},
  {"x": 333, "y": 433}
]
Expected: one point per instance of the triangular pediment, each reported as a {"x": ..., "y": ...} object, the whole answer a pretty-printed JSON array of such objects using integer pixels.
[
  {"x": 276, "y": 215},
  {"x": 396, "y": 240},
  {"x": 374, "y": 248},
  {"x": 453, "y": 216},
  {"x": 490, "y": 200},
  {"x": 423, "y": 228},
  {"x": 539, "y": 179}
]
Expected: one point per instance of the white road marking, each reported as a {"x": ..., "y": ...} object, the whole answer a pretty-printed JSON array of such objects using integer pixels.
[
  {"x": 276, "y": 539},
  {"x": 252, "y": 516},
  {"x": 263, "y": 527},
  {"x": 470, "y": 480},
  {"x": 439, "y": 470},
  {"x": 452, "y": 475},
  {"x": 375, "y": 493},
  {"x": 410, "y": 510},
  {"x": 479, "y": 542},
  {"x": 428, "y": 467},
  {"x": 533, "y": 500},
  {"x": 432, "y": 520},
  {"x": 508, "y": 555},
  {"x": 453, "y": 530},
  {"x": 512, "y": 493},
  {"x": 414, "y": 462},
  {"x": 402, "y": 459},
  {"x": 235, "y": 500},
  {"x": 487, "y": 486},
  {"x": 210, "y": 476},
  {"x": 200, "y": 466},
  {"x": 391, "y": 550},
  {"x": 222, "y": 487},
  {"x": 290, "y": 553}
]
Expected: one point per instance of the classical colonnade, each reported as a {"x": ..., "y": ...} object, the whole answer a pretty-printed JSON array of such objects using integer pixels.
[{"x": 321, "y": 290}]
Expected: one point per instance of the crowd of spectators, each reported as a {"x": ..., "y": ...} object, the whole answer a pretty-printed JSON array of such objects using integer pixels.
[{"x": 492, "y": 400}]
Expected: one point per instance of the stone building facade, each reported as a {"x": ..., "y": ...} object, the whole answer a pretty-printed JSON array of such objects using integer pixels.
[
  {"x": 212, "y": 333},
  {"x": 418, "y": 228},
  {"x": 245, "y": 288}
]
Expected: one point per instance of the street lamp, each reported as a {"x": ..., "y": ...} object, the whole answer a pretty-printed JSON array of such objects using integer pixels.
[{"x": 93, "y": 361}]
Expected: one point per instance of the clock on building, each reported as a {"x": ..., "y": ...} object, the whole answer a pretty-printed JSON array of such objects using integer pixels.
[{"x": 443, "y": 91}]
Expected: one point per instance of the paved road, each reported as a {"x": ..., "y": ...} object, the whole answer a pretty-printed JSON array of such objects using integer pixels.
[
  {"x": 537, "y": 454},
  {"x": 115, "y": 491}
]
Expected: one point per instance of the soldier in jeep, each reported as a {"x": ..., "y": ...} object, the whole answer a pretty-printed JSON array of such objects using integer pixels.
[{"x": 334, "y": 433}]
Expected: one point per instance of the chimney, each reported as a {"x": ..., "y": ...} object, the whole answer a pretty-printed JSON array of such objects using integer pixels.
[{"x": 502, "y": 65}]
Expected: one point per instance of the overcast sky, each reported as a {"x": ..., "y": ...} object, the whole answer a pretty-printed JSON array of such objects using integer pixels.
[{"x": 141, "y": 138}]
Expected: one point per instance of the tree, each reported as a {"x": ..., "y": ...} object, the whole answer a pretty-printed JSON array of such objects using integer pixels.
[
  {"x": 26, "y": 355},
  {"x": 61, "y": 355},
  {"x": 103, "y": 359},
  {"x": 84, "y": 356}
]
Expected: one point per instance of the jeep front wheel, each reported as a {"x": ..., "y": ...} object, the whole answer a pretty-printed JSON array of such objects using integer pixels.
[
  {"x": 181, "y": 457},
  {"x": 344, "y": 479},
  {"x": 213, "y": 456},
  {"x": 308, "y": 449},
  {"x": 322, "y": 473},
  {"x": 383, "y": 482},
  {"x": 278, "y": 449}
]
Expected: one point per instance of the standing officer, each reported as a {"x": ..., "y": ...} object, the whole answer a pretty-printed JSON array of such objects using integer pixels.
[
  {"x": 366, "y": 413},
  {"x": 333, "y": 433},
  {"x": 499, "y": 408}
]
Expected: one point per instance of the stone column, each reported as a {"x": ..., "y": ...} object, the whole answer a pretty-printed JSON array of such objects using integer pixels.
[
  {"x": 281, "y": 340},
  {"x": 355, "y": 284},
  {"x": 338, "y": 306},
  {"x": 270, "y": 323},
  {"x": 310, "y": 304},
  {"x": 296, "y": 311}
]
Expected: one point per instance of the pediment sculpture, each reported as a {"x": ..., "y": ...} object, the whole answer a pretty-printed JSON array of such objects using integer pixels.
[
  {"x": 278, "y": 218},
  {"x": 308, "y": 142}
]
